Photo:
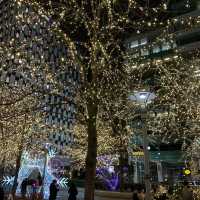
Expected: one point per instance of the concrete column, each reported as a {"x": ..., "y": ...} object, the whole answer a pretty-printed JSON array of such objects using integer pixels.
[
  {"x": 135, "y": 178},
  {"x": 159, "y": 171}
]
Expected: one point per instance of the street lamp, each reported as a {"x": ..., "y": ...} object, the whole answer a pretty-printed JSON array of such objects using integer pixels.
[{"x": 143, "y": 98}]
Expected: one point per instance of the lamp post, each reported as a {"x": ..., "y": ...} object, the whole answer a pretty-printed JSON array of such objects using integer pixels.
[{"x": 143, "y": 98}]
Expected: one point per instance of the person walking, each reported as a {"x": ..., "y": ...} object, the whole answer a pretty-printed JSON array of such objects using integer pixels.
[
  {"x": 135, "y": 195},
  {"x": 24, "y": 187},
  {"x": 73, "y": 192},
  {"x": 53, "y": 189},
  {"x": 1, "y": 192}
]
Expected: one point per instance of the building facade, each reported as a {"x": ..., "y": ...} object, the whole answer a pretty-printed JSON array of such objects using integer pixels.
[
  {"x": 160, "y": 44},
  {"x": 30, "y": 51}
]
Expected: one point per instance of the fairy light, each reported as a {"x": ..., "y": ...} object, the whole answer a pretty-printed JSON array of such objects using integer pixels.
[
  {"x": 28, "y": 165},
  {"x": 105, "y": 79}
]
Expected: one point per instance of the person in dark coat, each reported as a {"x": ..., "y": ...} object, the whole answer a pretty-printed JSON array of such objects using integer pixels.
[
  {"x": 1, "y": 193},
  {"x": 24, "y": 187},
  {"x": 135, "y": 195},
  {"x": 53, "y": 190},
  {"x": 72, "y": 192}
]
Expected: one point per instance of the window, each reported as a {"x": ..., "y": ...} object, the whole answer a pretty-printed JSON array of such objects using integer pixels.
[
  {"x": 144, "y": 52},
  {"x": 137, "y": 43},
  {"x": 156, "y": 49},
  {"x": 134, "y": 44},
  {"x": 166, "y": 46},
  {"x": 143, "y": 41}
]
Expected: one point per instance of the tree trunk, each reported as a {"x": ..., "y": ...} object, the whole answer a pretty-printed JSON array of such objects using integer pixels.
[
  {"x": 2, "y": 168},
  {"x": 19, "y": 156},
  {"x": 18, "y": 164},
  {"x": 91, "y": 151}
]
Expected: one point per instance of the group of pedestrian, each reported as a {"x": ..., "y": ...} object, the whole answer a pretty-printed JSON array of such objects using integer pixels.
[
  {"x": 53, "y": 189},
  {"x": 162, "y": 191},
  {"x": 35, "y": 187},
  {"x": 159, "y": 192}
]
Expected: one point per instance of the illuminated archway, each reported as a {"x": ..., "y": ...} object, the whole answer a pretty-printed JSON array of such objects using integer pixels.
[{"x": 29, "y": 164}]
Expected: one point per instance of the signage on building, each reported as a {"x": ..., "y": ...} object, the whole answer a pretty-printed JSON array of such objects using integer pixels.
[{"x": 138, "y": 153}]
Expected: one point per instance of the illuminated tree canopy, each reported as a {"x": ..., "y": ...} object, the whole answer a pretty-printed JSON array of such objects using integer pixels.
[{"x": 90, "y": 37}]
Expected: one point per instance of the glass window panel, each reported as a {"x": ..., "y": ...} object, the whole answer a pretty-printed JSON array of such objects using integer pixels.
[
  {"x": 144, "y": 52},
  {"x": 134, "y": 44},
  {"x": 166, "y": 46},
  {"x": 143, "y": 41},
  {"x": 174, "y": 45},
  {"x": 156, "y": 49}
]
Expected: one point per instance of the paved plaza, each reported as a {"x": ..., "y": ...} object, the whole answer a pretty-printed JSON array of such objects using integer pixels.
[{"x": 63, "y": 194}]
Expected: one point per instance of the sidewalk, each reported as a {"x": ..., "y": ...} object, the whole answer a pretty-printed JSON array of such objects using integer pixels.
[
  {"x": 99, "y": 195},
  {"x": 63, "y": 194}
]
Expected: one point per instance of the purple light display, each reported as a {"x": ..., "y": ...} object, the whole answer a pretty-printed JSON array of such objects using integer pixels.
[
  {"x": 107, "y": 174},
  {"x": 109, "y": 179}
]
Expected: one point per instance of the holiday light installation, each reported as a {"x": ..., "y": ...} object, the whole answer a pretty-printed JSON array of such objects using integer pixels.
[
  {"x": 29, "y": 164},
  {"x": 98, "y": 44},
  {"x": 7, "y": 180},
  {"x": 107, "y": 173},
  {"x": 110, "y": 178}
]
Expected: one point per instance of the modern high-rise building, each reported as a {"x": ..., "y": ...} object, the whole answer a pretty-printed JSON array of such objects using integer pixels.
[
  {"x": 183, "y": 37},
  {"x": 29, "y": 51},
  {"x": 156, "y": 45}
]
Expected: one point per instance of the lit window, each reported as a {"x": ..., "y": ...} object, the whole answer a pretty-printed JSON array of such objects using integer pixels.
[
  {"x": 174, "y": 45},
  {"x": 134, "y": 44},
  {"x": 144, "y": 52},
  {"x": 156, "y": 49},
  {"x": 166, "y": 46},
  {"x": 143, "y": 41}
]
